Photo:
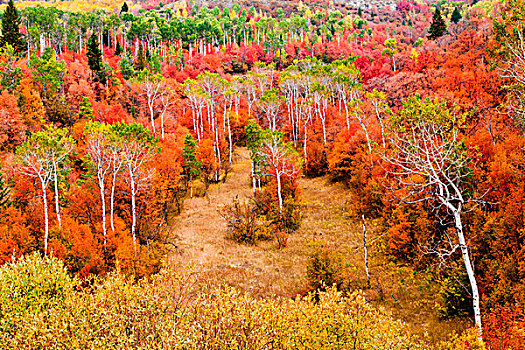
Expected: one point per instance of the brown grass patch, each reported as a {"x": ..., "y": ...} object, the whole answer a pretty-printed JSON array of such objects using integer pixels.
[{"x": 264, "y": 270}]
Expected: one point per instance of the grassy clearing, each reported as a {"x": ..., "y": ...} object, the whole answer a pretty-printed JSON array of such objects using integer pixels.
[{"x": 264, "y": 270}]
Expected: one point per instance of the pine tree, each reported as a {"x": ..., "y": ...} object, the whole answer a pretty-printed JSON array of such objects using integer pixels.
[
  {"x": 118, "y": 49},
  {"x": 140, "y": 63},
  {"x": 124, "y": 8},
  {"x": 192, "y": 166},
  {"x": 94, "y": 56},
  {"x": 11, "y": 29},
  {"x": 360, "y": 12},
  {"x": 438, "y": 27},
  {"x": 85, "y": 111},
  {"x": 4, "y": 191},
  {"x": 456, "y": 16}
]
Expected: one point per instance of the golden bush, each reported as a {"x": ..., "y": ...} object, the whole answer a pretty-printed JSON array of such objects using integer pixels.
[{"x": 175, "y": 310}]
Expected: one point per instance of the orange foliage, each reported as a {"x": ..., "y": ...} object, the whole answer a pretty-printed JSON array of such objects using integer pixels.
[
  {"x": 12, "y": 126},
  {"x": 77, "y": 246},
  {"x": 15, "y": 238},
  {"x": 31, "y": 106}
]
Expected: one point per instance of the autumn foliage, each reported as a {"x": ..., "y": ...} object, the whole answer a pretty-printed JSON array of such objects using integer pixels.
[{"x": 94, "y": 169}]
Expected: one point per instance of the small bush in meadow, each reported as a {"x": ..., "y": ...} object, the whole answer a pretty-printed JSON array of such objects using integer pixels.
[
  {"x": 324, "y": 269},
  {"x": 242, "y": 221}
]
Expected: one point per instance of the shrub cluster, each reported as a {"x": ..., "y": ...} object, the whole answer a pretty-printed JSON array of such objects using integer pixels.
[
  {"x": 43, "y": 308},
  {"x": 325, "y": 269},
  {"x": 244, "y": 225}
]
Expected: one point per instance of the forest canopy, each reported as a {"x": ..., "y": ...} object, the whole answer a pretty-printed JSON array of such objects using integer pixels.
[{"x": 118, "y": 120}]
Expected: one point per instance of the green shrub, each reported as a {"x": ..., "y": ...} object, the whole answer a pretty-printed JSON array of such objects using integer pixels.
[
  {"x": 30, "y": 288},
  {"x": 325, "y": 268},
  {"x": 453, "y": 296}
]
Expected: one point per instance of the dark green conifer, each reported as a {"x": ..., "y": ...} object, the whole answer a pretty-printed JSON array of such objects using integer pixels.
[
  {"x": 141, "y": 62},
  {"x": 94, "y": 56},
  {"x": 192, "y": 166},
  {"x": 11, "y": 29},
  {"x": 456, "y": 16},
  {"x": 85, "y": 111},
  {"x": 4, "y": 191},
  {"x": 118, "y": 49},
  {"x": 124, "y": 8},
  {"x": 438, "y": 27}
]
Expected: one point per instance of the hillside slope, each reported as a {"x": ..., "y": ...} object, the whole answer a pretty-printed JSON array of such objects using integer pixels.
[{"x": 264, "y": 270}]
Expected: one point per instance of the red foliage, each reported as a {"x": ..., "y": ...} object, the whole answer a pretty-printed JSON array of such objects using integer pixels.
[
  {"x": 12, "y": 126},
  {"x": 504, "y": 328}
]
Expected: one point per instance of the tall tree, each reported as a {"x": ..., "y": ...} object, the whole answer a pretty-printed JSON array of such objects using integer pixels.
[
  {"x": 280, "y": 159},
  {"x": 94, "y": 56},
  {"x": 11, "y": 29},
  {"x": 124, "y": 8},
  {"x": 456, "y": 16},
  {"x": 99, "y": 137},
  {"x": 138, "y": 148},
  {"x": 59, "y": 146},
  {"x": 270, "y": 104},
  {"x": 41, "y": 157},
  {"x": 431, "y": 165},
  {"x": 438, "y": 26},
  {"x": 153, "y": 87},
  {"x": 253, "y": 134},
  {"x": 192, "y": 166}
]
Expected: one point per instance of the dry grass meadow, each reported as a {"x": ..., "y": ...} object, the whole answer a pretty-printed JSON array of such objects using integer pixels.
[{"x": 264, "y": 270}]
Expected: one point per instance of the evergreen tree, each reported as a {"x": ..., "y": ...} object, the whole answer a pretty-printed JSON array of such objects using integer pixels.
[
  {"x": 126, "y": 67},
  {"x": 124, "y": 8},
  {"x": 192, "y": 166},
  {"x": 456, "y": 16},
  {"x": 438, "y": 27},
  {"x": 11, "y": 29},
  {"x": 11, "y": 75},
  {"x": 94, "y": 56},
  {"x": 140, "y": 63},
  {"x": 360, "y": 12},
  {"x": 118, "y": 49},
  {"x": 4, "y": 191},
  {"x": 85, "y": 111}
]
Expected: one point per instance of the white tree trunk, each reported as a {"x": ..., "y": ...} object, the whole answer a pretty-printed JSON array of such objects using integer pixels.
[
  {"x": 253, "y": 178},
  {"x": 112, "y": 200},
  {"x": 57, "y": 202},
  {"x": 103, "y": 203},
  {"x": 470, "y": 273},
  {"x": 46, "y": 217},
  {"x": 230, "y": 139},
  {"x": 347, "y": 114},
  {"x": 304, "y": 146},
  {"x": 279, "y": 190},
  {"x": 191, "y": 186},
  {"x": 133, "y": 209}
]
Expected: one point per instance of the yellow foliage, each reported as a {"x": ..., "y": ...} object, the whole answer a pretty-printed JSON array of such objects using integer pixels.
[
  {"x": 177, "y": 311},
  {"x": 74, "y": 6}
]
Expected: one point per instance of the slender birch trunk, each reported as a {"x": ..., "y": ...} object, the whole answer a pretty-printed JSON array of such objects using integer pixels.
[{"x": 57, "y": 201}]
